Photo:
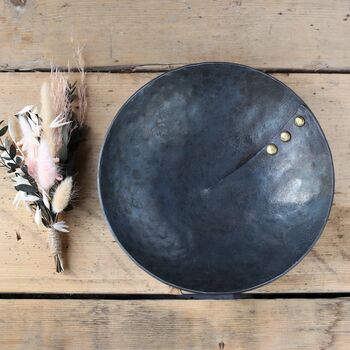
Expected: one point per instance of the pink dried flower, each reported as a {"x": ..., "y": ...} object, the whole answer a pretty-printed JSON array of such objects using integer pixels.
[
  {"x": 29, "y": 145},
  {"x": 46, "y": 167}
]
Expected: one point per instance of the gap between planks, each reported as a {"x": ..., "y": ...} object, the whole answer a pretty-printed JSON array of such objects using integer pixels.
[
  {"x": 243, "y": 296},
  {"x": 159, "y": 68}
]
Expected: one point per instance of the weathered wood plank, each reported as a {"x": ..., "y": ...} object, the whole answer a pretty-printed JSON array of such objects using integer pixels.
[
  {"x": 229, "y": 325},
  {"x": 96, "y": 263},
  {"x": 291, "y": 34}
]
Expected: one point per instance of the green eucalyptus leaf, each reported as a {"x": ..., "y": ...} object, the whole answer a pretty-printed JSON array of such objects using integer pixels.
[
  {"x": 18, "y": 161},
  {"x": 26, "y": 188},
  {"x": 3, "y": 130},
  {"x": 12, "y": 166},
  {"x": 13, "y": 151}
]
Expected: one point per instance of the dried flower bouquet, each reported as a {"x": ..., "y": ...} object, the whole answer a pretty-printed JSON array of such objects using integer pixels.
[{"x": 39, "y": 154}]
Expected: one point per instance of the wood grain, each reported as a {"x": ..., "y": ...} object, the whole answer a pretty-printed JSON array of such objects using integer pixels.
[
  {"x": 229, "y": 325},
  {"x": 287, "y": 34},
  {"x": 95, "y": 262}
]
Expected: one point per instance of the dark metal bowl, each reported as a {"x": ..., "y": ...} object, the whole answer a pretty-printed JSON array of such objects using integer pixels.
[{"x": 194, "y": 193}]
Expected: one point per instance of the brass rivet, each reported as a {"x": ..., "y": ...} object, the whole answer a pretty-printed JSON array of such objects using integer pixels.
[
  {"x": 299, "y": 121},
  {"x": 271, "y": 149},
  {"x": 285, "y": 136}
]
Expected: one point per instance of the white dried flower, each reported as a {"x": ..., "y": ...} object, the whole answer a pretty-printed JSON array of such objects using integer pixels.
[
  {"x": 25, "y": 109},
  {"x": 37, "y": 216},
  {"x": 58, "y": 122},
  {"x": 60, "y": 226}
]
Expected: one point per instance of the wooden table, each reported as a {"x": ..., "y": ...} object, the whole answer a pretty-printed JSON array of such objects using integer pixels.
[{"x": 103, "y": 300}]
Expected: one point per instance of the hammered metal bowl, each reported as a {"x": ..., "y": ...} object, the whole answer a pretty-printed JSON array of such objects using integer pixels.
[{"x": 216, "y": 177}]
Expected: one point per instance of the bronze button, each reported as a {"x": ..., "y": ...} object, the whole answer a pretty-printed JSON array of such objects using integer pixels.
[
  {"x": 299, "y": 121},
  {"x": 271, "y": 149},
  {"x": 285, "y": 136}
]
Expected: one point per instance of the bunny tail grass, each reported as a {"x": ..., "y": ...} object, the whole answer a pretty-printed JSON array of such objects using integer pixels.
[{"x": 56, "y": 248}]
